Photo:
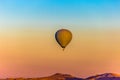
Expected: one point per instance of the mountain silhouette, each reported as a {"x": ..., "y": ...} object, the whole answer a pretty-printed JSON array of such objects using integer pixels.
[
  {"x": 60, "y": 76},
  {"x": 105, "y": 76}
]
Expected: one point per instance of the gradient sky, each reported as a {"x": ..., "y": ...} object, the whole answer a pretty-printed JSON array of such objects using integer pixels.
[{"x": 28, "y": 47}]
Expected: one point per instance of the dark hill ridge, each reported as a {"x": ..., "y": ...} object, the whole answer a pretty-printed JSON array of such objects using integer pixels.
[
  {"x": 59, "y": 76},
  {"x": 106, "y": 76}
]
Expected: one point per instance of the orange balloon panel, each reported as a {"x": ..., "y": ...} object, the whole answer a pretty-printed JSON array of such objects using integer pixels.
[{"x": 63, "y": 37}]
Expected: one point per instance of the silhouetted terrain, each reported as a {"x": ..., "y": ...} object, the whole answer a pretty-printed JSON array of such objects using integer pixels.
[
  {"x": 59, "y": 76},
  {"x": 106, "y": 76}
]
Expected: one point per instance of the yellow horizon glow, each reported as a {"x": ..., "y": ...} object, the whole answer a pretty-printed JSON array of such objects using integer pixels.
[{"x": 33, "y": 52}]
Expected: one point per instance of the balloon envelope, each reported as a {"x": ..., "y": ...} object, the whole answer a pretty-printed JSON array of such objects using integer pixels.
[{"x": 63, "y": 37}]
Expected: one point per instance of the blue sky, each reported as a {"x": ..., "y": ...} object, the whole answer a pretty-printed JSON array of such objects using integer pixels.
[
  {"x": 27, "y": 29},
  {"x": 64, "y": 12}
]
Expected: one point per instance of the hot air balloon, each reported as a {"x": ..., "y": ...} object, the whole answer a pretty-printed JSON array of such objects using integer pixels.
[{"x": 63, "y": 37}]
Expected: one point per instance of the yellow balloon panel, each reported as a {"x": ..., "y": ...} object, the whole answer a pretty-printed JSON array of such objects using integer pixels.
[{"x": 63, "y": 37}]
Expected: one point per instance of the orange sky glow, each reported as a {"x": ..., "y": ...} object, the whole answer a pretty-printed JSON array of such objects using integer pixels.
[{"x": 34, "y": 53}]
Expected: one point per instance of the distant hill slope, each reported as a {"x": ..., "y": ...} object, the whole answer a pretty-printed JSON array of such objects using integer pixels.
[
  {"x": 106, "y": 76},
  {"x": 59, "y": 76}
]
